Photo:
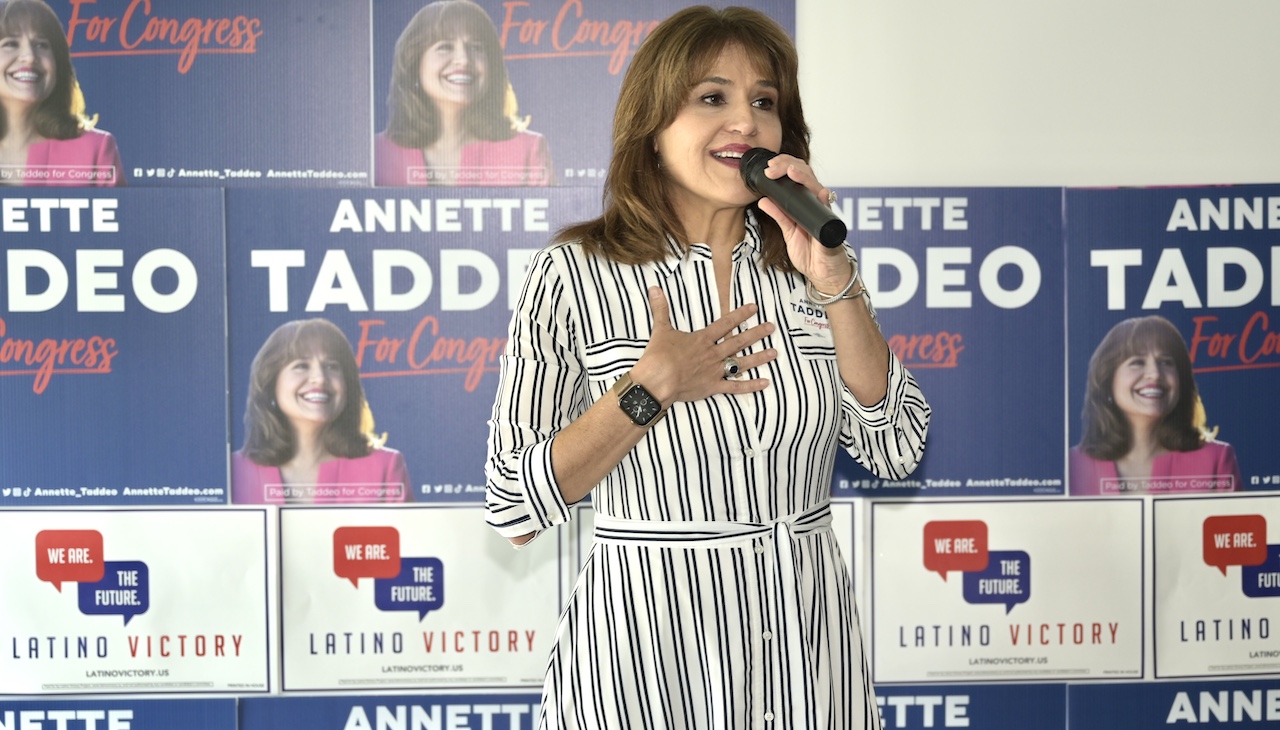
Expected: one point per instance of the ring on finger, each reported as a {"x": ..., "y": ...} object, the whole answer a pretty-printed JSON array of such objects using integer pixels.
[
  {"x": 831, "y": 198},
  {"x": 731, "y": 367}
]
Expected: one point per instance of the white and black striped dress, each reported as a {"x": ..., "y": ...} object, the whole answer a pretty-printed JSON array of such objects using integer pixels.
[{"x": 715, "y": 595}]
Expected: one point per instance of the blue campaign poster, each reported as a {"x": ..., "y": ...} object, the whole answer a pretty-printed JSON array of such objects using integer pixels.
[
  {"x": 565, "y": 60},
  {"x": 968, "y": 287},
  {"x": 227, "y": 93},
  {"x": 493, "y": 711},
  {"x": 1173, "y": 704},
  {"x": 1190, "y": 273},
  {"x": 113, "y": 348},
  {"x": 420, "y": 289},
  {"x": 192, "y": 714},
  {"x": 989, "y": 707}
]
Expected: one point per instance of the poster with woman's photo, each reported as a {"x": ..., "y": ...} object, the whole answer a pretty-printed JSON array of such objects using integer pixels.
[
  {"x": 365, "y": 333},
  {"x": 112, "y": 348},
  {"x": 1172, "y": 340},
  {"x": 496, "y": 93},
  {"x": 224, "y": 93}
]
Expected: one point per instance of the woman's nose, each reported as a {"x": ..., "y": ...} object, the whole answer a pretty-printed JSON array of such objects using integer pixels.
[{"x": 742, "y": 120}]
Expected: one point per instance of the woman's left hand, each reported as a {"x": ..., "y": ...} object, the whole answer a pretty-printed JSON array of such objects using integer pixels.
[{"x": 826, "y": 268}]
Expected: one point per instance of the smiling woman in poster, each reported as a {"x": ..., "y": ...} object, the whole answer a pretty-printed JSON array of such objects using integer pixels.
[
  {"x": 309, "y": 432},
  {"x": 453, "y": 114},
  {"x": 45, "y": 139},
  {"x": 1144, "y": 424}
]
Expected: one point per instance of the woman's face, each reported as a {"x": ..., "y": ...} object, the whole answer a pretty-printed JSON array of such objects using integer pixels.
[
  {"x": 731, "y": 110},
  {"x": 30, "y": 70},
  {"x": 453, "y": 71},
  {"x": 310, "y": 390},
  {"x": 1145, "y": 386}
]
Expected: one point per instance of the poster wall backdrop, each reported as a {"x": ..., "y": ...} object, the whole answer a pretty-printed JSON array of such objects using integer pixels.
[{"x": 131, "y": 321}]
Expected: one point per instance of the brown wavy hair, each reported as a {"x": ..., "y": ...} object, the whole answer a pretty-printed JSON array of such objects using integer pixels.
[
  {"x": 413, "y": 120},
  {"x": 61, "y": 114},
  {"x": 638, "y": 215},
  {"x": 1107, "y": 434},
  {"x": 269, "y": 437}
]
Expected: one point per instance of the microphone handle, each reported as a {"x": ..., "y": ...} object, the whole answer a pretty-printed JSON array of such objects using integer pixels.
[{"x": 795, "y": 200}]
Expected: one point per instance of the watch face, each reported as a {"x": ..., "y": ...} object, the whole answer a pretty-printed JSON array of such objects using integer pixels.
[{"x": 639, "y": 405}]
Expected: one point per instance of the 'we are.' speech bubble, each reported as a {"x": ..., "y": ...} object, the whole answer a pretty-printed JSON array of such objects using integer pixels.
[
  {"x": 955, "y": 545},
  {"x": 69, "y": 556},
  {"x": 1235, "y": 540},
  {"x": 366, "y": 552}
]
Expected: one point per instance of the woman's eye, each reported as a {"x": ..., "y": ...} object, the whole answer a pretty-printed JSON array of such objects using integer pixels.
[
  {"x": 765, "y": 103},
  {"x": 713, "y": 99}
]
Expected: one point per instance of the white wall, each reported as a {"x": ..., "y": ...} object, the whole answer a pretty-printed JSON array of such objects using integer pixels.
[{"x": 1079, "y": 93}]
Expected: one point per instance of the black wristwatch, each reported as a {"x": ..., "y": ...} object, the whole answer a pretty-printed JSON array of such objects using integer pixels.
[{"x": 639, "y": 404}]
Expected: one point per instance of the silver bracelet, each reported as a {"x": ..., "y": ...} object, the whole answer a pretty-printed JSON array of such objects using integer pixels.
[{"x": 822, "y": 300}]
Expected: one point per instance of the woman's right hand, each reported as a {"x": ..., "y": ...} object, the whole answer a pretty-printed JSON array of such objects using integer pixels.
[{"x": 689, "y": 366}]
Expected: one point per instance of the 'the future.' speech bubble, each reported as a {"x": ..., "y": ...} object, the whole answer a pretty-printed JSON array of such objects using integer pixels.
[
  {"x": 1263, "y": 580},
  {"x": 1235, "y": 540},
  {"x": 366, "y": 552},
  {"x": 69, "y": 556},
  {"x": 124, "y": 590},
  {"x": 419, "y": 587},
  {"x": 955, "y": 545},
  {"x": 1006, "y": 580}
]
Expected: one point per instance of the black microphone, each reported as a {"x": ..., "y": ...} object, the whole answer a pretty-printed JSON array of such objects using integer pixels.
[{"x": 794, "y": 199}]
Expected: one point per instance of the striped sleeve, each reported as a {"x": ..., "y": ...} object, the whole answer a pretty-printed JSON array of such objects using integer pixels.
[
  {"x": 541, "y": 389},
  {"x": 887, "y": 438}
]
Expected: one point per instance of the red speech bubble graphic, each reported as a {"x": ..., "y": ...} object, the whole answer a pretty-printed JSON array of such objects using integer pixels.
[
  {"x": 955, "y": 545},
  {"x": 69, "y": 556},
  {"x": 1235, "y": 540},
  {"x": 366, "y": 552}
]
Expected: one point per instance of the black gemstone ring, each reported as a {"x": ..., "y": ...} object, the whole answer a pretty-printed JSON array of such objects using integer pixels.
[{"x": 731, "y": 367}]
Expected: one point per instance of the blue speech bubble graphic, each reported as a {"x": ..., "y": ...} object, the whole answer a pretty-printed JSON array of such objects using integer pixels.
[
  {"x": 1262, "y": 581},
  {"x": 1006, "y": 580},
  {"x": 419, "y": 587},
  {"x": 125, "y": 590}
]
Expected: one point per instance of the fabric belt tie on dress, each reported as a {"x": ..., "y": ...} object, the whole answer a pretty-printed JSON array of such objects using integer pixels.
[{"x": 786, "y": 598}]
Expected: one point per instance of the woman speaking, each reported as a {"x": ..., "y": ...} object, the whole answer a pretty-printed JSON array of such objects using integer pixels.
[{"x": 662, "y": 359}]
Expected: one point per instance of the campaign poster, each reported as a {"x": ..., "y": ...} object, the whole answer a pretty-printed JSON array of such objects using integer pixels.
[
  {"x": 112, "y": 348},
  {"x": 564, "y": 61},
  {"x": 412, "y": 597},
  {"x": 1007, "y": 590},
  {"x": 189, "y": 714},
  {"x": 1152, "y": 705},
  {"x": 989, "y": 707},
  {"x": 1172, "y": 351},
  {"x": 134, "y": 601},
  {"x": 490, "y": 711},
  {"x": 967, "y": 286},
  {"x": 227, "y": 93},
  {"x": 1216, "y": 586},
  {"x": 409, "y": 298}
]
